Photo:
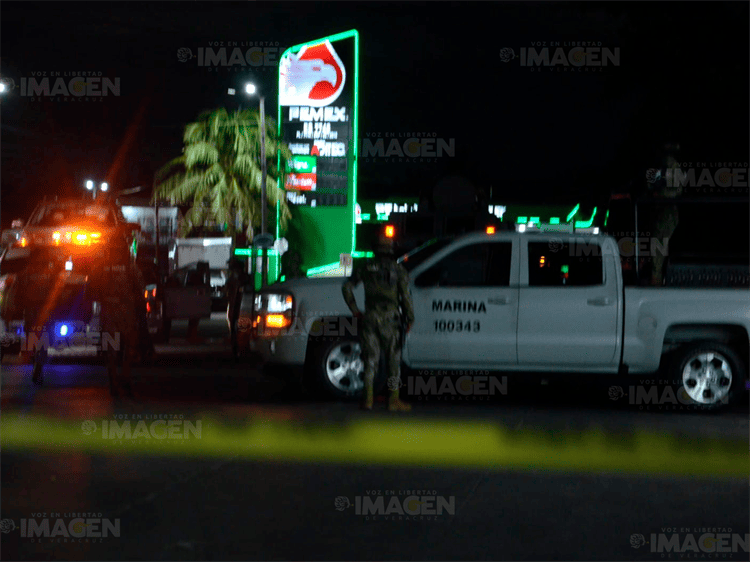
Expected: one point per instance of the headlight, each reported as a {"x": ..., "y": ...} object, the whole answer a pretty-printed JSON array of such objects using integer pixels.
[{"x": 272, "y": 312}]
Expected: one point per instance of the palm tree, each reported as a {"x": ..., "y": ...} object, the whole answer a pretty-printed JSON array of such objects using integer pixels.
[{"x": 219, "y": 172}]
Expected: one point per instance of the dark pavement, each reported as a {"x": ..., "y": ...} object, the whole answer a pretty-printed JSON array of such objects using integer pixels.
[{"x": 172, "y": 503}]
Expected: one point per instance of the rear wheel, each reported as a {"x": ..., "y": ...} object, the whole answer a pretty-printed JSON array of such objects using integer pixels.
[
  {"x": 339, "y": 370},
  {"x": 164, "y": 331},
  {"x": 709, "y": 375}
]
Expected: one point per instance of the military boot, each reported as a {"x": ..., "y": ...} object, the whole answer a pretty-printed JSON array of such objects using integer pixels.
[{"x": 396, "y": 405}]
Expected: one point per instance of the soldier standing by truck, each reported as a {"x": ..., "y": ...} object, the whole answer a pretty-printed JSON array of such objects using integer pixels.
[
  {"x": 387, "y": 305},
  {"x": 120, "y": 293},
  {"x": 665, "y": 217}
]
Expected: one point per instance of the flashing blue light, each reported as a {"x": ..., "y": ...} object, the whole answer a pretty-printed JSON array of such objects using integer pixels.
[{"x": 64, "y": 330}]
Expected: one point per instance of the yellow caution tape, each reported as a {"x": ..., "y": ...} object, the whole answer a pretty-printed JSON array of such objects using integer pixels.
[{"x": 414, "y": 442}]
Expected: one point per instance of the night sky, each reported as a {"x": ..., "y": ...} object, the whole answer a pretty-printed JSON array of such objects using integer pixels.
[{"x": 534, "y": 135}]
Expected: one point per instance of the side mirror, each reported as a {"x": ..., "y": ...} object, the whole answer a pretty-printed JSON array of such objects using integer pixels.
[{"x": 17, "y": 223}]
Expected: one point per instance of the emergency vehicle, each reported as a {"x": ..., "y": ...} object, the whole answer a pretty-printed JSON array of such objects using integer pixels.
[
  {"x": 527, "y": 300},
  {"x": 44, "y": 274}
]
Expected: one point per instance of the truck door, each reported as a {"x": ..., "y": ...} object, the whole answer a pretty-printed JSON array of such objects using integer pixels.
[
  {"x": 466, "y": 309},
  {"x": 568, "y": 306},
  {"x": 191, "y": 300}
]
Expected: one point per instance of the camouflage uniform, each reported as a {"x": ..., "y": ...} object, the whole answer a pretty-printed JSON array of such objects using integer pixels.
[
  {"x": 120, "y": 295},
  {"x": 666, "y": 217},
  {"x": 235, "y": 282},
  {"x": 386, "y": 289}
]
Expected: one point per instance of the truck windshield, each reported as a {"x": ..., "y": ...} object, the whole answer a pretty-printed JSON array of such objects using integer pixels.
[
  {"x": 419, "y": 255},
  {"x": 71, "y": 213}
]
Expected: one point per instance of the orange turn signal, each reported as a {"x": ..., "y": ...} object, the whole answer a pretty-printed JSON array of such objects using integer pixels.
[
  {"x": 490, "y": 230},
  {"x": 389, "y": 231},
  {"x": 277, "y": 321}
]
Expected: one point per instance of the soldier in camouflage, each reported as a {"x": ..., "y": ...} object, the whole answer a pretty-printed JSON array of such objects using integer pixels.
[
  {"x": 387, "y": 297},
  {"x": 666, "y": 217},
  {"x": 120, "y": 293}
]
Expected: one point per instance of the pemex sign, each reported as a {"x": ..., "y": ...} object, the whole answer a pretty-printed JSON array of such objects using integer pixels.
[{"x": 318, "y": 120}]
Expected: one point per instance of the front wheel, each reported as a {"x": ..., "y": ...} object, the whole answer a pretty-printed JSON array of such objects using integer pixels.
[
  {"x": 339, "y": 370},
  {"x": 711, "y": 375}
]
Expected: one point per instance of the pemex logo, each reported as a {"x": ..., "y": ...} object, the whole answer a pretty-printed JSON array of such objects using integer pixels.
[{"x": 314, "y": 77}]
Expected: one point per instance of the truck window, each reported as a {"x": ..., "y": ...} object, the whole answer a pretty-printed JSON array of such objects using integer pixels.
[
  {"x": 477, "y": 265},
  {"x": 556, "y": 264}
]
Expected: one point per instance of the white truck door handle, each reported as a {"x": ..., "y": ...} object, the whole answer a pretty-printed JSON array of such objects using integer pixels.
[
  {"x": 499, "y": 300},
  {"x": 601, "y": 301}
]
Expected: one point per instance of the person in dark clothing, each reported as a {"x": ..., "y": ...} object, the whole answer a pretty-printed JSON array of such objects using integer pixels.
[{"x": 386, "y": 299}]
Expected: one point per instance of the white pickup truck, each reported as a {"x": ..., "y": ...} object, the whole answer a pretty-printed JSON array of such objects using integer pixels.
[{"x": 517, "y": 302}]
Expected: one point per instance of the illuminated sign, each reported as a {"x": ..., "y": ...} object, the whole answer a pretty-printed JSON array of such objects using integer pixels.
[
  {"x": 315, "y": 76},
  {"x": 301, "y": 174},
  {"x": 317, "y": 91}
]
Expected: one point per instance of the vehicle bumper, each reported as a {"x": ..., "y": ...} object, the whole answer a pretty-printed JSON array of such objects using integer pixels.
[{"x": 283, "y": 351}]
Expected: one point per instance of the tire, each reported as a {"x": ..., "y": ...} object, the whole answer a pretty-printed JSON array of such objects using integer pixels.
[
  {"x": 336, "y": 379},
  {"x": 714, "y": 367},
  {"x": 165, "y": 331}
]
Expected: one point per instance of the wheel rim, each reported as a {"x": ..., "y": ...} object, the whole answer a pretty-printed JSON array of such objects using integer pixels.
[
  {"x": 345, "y": 369},
  {"x": 707, "y": 377}
]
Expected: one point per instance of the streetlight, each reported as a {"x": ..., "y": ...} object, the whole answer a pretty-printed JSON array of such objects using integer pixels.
[
  {"x": 250, "y": 89},
  {"x": 91, "y": 186}
]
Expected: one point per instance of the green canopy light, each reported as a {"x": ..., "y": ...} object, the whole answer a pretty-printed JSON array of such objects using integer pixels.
[
  {"x": 573, "y": 213},
  {"x": 588, "y": 223}
]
